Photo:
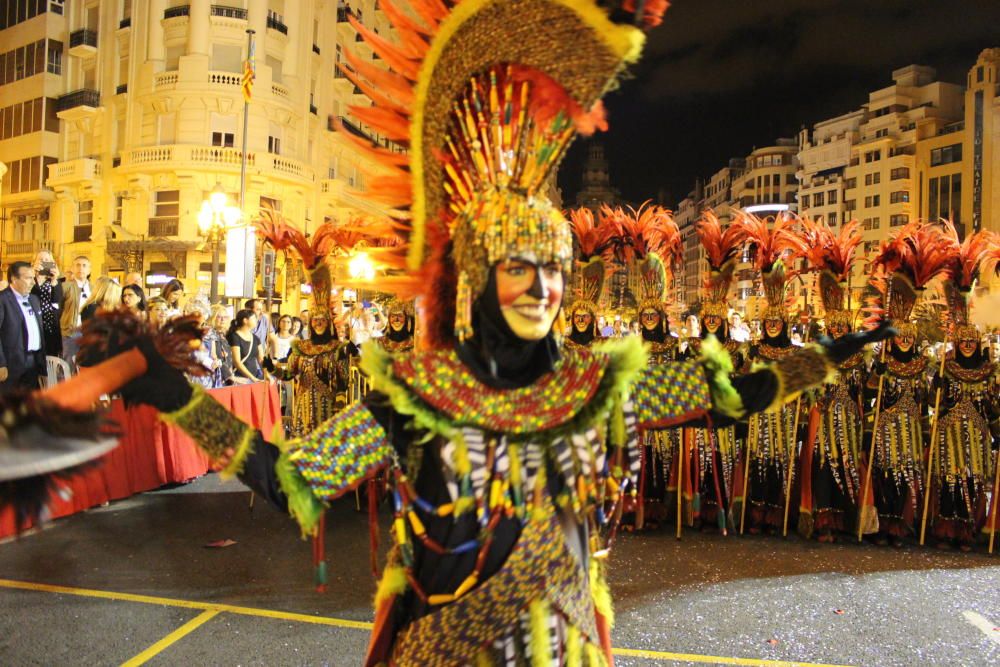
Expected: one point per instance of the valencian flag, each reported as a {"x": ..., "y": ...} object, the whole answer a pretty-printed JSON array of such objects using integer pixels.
[{"x": 248, "y": 73}]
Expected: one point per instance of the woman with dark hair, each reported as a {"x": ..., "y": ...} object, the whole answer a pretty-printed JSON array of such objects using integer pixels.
[
  {"x": 246, "y": 352},
  {"x": 134, "y": 298},
  {"x": 297, "y": 327},
  {"x": 172, "y": 293}
]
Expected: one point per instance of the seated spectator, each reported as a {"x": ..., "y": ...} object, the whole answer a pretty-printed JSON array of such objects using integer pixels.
[
  {"x": 107, "y": 296},
  {"x": 49, "y": 291}
]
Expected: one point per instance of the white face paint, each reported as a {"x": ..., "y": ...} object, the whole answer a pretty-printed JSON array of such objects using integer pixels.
[{"x": 529, "y": 309}]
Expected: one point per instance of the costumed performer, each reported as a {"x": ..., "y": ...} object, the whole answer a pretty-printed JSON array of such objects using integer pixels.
[
  {"x": 593, "y": 241},
  {"x": 506, "y": 458}
]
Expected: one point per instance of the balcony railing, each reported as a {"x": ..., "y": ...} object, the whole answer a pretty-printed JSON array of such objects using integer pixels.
[
  {"x": 83, "y": 38},
  {"x": 163, "y": 226},
  {"x": 12, "y": 249},
  {"x": 125, "y": 22},
  {"x": 82, "y": 233},
  {"x": 274, "y": 23},
  {"x": 84, "y": 97},
  {"x": 184, "y": 156},
  {"x": 174, "y": 12},
  {"x": 229, "y": 12}
]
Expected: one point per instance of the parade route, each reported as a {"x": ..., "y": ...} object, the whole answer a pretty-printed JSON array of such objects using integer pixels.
[{"x": 133, "y": 583}]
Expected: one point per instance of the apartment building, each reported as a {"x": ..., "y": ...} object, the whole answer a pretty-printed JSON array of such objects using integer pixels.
[{"x": 142, "y": 118}]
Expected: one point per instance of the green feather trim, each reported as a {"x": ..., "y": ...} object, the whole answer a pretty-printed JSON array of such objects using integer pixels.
[
  {"x": 574, "y": 647},
  {"x": 393, "y": 582},
  {"x": 304, "y": 507},
  {"x": 601, "y": 593},
  {"x": 541, "y": 648},
  {"x": 718, "y": 368}
]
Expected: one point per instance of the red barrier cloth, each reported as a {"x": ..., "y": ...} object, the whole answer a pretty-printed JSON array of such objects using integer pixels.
[{"x": 151, "y": 454}]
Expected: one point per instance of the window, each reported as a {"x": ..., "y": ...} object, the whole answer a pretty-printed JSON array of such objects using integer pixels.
[
  {"x": 767, "y": 178},
  {"x": 871, "y": 246},
  {"x": 899, "y": 197},
  {"x": 944, "y": 198},
  {"x": 850, "y": 205},
  {"x": 818, "y": 199},
  {"x": 13, "y": 12},
  {"x": 884, "y": 132},
  {"x": 119, "y": 201},
  {"x": 871, "y": 223},
  {"x": 898, "y": 173},
  {"x": 270, "y": 203},
  {"x": 831, "y": 219},
  {"x": 274, "y": 145},
  {"x": 26, "y": 175},
  {"x": 166, "y": 213},
  {"x": 873, "y": 156},
  {"x": 85, "y": 213},
  {"x": 873, "y": 200},
  {"x": 805, "y": 201},
  {"x": 224, "y": 139},
  {"x": 946, "y": 155},
  {"x": 873, "y": 178},
  {"x": 850, "y": 183},
  {"x": 831, "y": 197},
  {"x": 898, "y": 220}
]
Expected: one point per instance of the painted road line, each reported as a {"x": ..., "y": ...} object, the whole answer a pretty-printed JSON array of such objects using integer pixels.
[
  {"x": 174, "y": 636},
  {"x": 358, "y": 625},
  {"x": 713, "y": 659},
  {"x": 187, "y": 604},
  {"x": 991, "y": 630}
]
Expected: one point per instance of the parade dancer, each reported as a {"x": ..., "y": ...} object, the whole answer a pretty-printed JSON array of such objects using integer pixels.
[
  {"x": 964, "y": 442},
  {"x": 771, "y": 450},
  {"x": 399, "y": 333},
  {"x": 716, "y": 449},
  {"x": 506, "y": 455},
  {"x": 830, "y": 485},
  {"x": 593, "y": 242}
]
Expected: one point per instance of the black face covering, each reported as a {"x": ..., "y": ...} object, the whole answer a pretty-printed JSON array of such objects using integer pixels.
[
  {"x": 584, "y": 337},
  {"x": 781, "y": 340},
  {"x": 403, "y": 334},
  {"x": 657, "y": 334},
  {"x": 975, "y": 361},
  {"x": 722, "y": 333},
  {"x": 900, "y": 356},
  {"x": 495, "y": 354},
  {"x": 327, "y": 336}
]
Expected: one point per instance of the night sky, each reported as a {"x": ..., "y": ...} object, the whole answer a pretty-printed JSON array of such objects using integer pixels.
[{"x": 720, "y": 77}]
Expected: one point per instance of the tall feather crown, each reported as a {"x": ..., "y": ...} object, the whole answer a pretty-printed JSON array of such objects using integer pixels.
[
  {"x": 487, "y": 96},
  {"x": 773, "y": 241},
  {"x": 833, "y": 255},
  {"x": 722, "y": 250}
]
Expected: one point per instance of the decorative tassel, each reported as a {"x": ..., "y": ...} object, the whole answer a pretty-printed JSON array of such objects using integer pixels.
[
  {"x": 541, "y": 645},
  {"x": 463, "y": 308},
  {"x": 393, "y": 582}
]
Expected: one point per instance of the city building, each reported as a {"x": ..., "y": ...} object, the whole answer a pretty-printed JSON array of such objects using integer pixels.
[
  {"x": 133, "y": 115},
  {"x": 595, "y": 183}
]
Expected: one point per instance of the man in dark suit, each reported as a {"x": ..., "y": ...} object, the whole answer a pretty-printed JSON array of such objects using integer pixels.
[{"x": 22, "y": 346}]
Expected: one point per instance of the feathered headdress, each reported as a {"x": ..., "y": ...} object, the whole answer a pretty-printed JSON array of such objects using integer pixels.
[
  {"x": 722, "y": 250},
  {"x": 486, "y": 96},
  {"x": 277, "y": 232},
  {"x": 595, "y": 241},
  {"x": 910, "y": 259},
  {"x": 979, "y": 252},
  {"x": 649, "y": 248},
  {"x": 832, "y": 254},
  {"x": 772, "y": 240}
]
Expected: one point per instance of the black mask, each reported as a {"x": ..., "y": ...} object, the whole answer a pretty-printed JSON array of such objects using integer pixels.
[
  {"x": 584, "y": 337},
  {"x": 403, "y": 334},
  {"x": 977, "y": 359},
  {"x": 495, "y": 354},
  {"x": 901, "y": 356},
  {"x": 322, "y": 339},
  {"x": 781, "y": 340},
  {"x": 657, "y": 334}
]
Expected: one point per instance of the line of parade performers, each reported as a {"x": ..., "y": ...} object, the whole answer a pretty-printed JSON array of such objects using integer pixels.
[{"x": 901, "y": 447}]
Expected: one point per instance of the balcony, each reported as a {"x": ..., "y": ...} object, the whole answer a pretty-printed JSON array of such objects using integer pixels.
[
  {"x": 229, "y": 12},
  {"x": 275, "y": 23},
  {"x": 174, "y": 12},
  {"x": 21, "y": 250},
  {"x": 186, "y": 158},
  {"x": 85, "y": 98},
  {"x": 72, "y": 172},
  {"x": 83, "y": 43}
]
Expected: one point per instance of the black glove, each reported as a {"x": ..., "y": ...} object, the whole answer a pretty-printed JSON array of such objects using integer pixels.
[
  {"x": 161, "y": 386},
  {"x": 839, "y": 350},
  {"x": 880, "y": 367}
]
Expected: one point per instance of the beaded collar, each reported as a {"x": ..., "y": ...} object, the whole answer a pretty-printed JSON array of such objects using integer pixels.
[
  {"x": 581, "y": 380},
  {"x": 396, "y": 345},
  {"x": 853, "y": 362},
  {"x": 907, "y": 369},
  {"x": 773, "y": 353},
  {"x": 981, "y": 374},
  {"x": 308, "y": 348},
  {"x": 666, "y": 347}
]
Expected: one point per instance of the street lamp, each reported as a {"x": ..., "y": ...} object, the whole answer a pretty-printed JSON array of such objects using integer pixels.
[{"x": 214, "y": 218}]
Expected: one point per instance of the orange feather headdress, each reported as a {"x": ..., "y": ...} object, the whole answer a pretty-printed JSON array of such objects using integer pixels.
[
  {"x": 832, "y": 254},
  {"x": 595, "y": 241},
  {"x": 722, "y": 249},
  {"x": 972, "y": 256},
  {"x": 487, "y": 97},
  {"x": 773, "y": 240}
]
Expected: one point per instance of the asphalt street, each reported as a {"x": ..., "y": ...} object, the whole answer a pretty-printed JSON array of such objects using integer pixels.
[{"x": 134, "y": 583}]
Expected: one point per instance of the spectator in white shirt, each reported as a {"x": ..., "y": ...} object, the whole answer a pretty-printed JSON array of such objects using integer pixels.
[{"x": 22, "y": 349}]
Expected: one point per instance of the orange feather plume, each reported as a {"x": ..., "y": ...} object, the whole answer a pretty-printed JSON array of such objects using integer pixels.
[
  {"x": 978, "y": 252},
  {"x": 771, "y": 238},
  {"x": 720, "y": 245},
  {"x": 829, "y": 250}
]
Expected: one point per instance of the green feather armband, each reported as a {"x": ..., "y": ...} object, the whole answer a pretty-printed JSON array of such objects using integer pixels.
[{"x": 214, "y": 429}]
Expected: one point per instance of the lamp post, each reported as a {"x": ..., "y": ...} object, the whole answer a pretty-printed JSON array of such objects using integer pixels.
[{"x": 214, "y": 218}]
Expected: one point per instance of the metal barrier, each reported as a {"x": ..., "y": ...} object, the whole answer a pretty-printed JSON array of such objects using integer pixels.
[{"x": 358, "y": 385}]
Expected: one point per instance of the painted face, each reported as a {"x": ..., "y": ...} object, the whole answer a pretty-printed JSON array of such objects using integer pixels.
[
  {"x": 397, "y": 320},
  {"x": 774, "y": 327},
  {"x": 319, "y": 324},
  {"x": 582, "y": 320},
  {"x": 649, "y": 319},
  {"x": 837, "y": 329},
  {"x": 712, "y": 323},
  {"x": 530, "y": 296},
  {"x": 904, "y": 342},
  {"x": 968, "y": 346}
]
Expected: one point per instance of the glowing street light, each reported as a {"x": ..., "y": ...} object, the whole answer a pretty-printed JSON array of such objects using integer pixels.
[{"x": 214, "y": 218}]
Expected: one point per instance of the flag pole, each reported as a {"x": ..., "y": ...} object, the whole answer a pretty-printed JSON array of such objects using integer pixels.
[{"x": 249, "y": 74}]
